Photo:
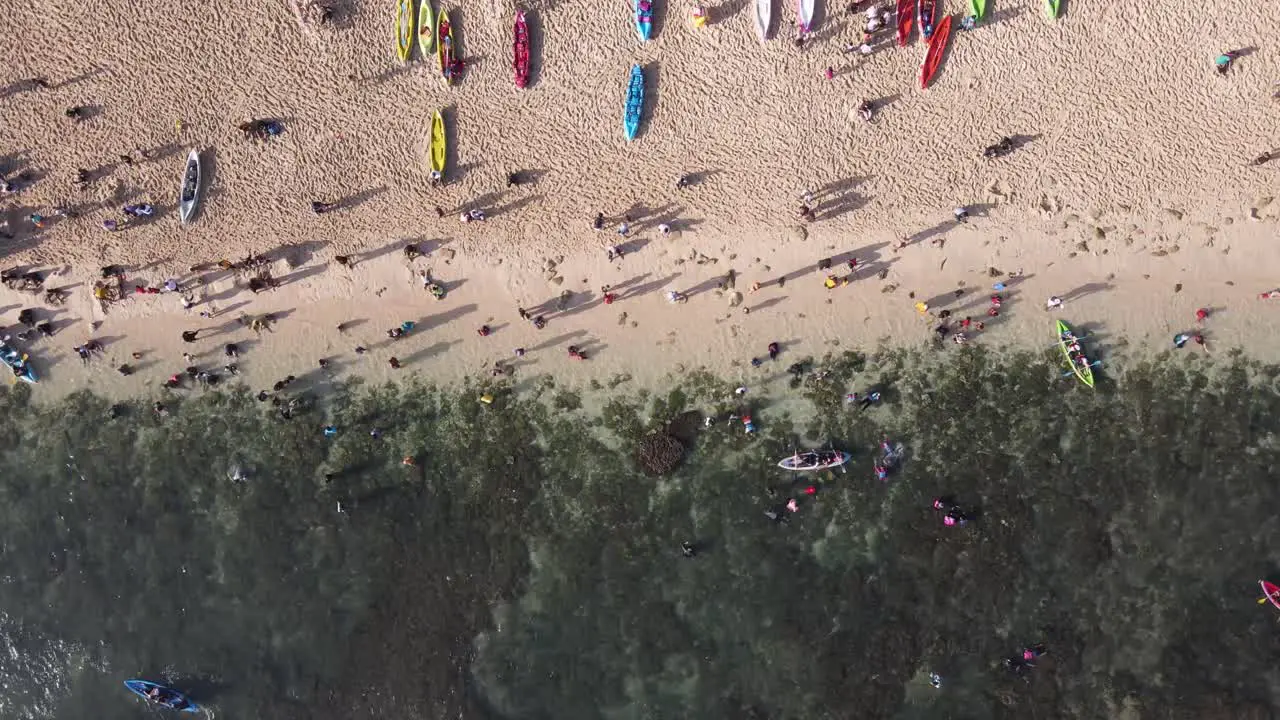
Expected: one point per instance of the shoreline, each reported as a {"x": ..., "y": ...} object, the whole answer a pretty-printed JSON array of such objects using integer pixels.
[{"x": 1108, "y": 295}]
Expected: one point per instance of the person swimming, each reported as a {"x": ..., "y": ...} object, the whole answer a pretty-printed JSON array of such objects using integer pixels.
[{"x": 952, "y": 516}]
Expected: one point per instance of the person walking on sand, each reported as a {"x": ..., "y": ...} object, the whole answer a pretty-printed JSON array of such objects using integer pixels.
[
  {"x": 1201, "y": 315},
  {"x": 806, "y": 213},
  {"x": 1053, "y": 303},
  {"x": 961, "y": 214},
  {"x": 320, "y": 207},
  {"x": 675, "y": 296},
  {"x": 683, "y": 182},
  {"x": 598, "y": 223}
]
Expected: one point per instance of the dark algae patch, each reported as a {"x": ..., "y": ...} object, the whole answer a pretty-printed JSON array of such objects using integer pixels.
[{"x": 443, "y": 557}]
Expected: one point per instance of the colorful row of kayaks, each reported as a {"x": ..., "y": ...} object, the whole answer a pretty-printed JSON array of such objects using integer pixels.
[
  {"x": 435, "y": 34},
  {"x": 435, "y": 37}
]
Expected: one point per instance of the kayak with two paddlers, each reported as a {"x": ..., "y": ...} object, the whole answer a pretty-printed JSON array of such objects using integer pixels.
[{"x": 814, "y": 460}]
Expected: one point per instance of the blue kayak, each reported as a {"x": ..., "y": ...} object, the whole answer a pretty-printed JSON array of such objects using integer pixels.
[
  {"x": 165, "y": 697},
  {"x": 644, "y": 18},
  {"x": 635, "y": 102},
  {"x": 18, "y": 363}
]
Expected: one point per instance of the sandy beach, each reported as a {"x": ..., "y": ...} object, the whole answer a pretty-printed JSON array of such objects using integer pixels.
[{"x": 1130, "y": 195}]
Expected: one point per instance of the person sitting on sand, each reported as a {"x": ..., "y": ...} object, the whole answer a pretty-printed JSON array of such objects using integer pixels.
[
  {"x": 1000, "y": 149},
  {"x": 1222, "y": 63}
]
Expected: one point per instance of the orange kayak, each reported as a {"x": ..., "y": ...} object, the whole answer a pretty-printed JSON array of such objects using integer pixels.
[{"x": 937, "y": 47}]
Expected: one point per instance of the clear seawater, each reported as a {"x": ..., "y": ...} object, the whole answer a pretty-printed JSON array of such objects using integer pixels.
[{"x": 524, "y": 567}]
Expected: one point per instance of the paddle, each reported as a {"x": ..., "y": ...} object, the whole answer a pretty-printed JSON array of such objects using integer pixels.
[
  {"x": 1094, "y": 364},
  {"x": 1078, "y": 338}
]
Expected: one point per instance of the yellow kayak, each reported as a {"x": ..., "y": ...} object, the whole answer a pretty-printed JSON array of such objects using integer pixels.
[
  {"x": 438, "y": 147},
  {"x": 404, "y": 29},
  {"x": 426, "y": 30}
]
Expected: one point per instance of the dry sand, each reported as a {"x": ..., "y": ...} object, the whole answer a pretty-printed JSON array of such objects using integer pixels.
[{"x": 1131, "y": 196}]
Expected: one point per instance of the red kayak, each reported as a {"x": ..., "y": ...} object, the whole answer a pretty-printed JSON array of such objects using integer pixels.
[
  {"x": 937, "y": 47},
  {"x": 926, "y": 13},
  {"x": 904, "y": 21},
  {"x": 1270, "y": 591},
  {"x": 521, "y": 47}
]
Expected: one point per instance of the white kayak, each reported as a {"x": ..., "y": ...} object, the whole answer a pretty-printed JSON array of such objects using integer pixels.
[
  {"x": 814, "y": 460},
  {"x": 190, "y": 195},
  {"x": 804, "y": 13},
  {"x": 763, "y": 16}
]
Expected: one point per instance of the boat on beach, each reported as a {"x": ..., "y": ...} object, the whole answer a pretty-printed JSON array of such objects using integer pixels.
[
  {"x": 635, "y": 102},
  {"x": 903, "y": 17},
  {"x": 937, "y": 48},
  {"x": 444, "y": 46},
  {"x": 1074, "y": 353},
  {"x": 804, "y": 15},
  {"x": 426, "y": 30},
  {"x": 404, "y": 29},
  {"x": 520, "y": 50},
  {"x": 978, "y": 8},
  {"x": 644, "y": 19},
  {"x": 438, "y": 147},
  {"x": 763, "y": 14},
  {"x": 18, "y": 363},
  {"x": 815, "y": 460},
  {"x": 189, "y": 196},
  {"x": 926, "y": 15},
  {"x": 1052, "y": 7},
  {"x": 162, "y": 696}
]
